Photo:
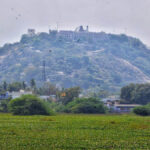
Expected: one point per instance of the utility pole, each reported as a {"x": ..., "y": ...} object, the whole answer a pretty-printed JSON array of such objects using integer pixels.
[
  {"x": 44, "y": 79},
  {"x": 43, "y": 71}
]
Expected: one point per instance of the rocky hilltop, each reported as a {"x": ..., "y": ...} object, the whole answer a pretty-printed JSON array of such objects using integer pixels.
[{"x": 76, "y": 58}]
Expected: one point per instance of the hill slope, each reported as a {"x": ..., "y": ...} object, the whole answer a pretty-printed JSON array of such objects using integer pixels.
[{"x": 108, "y": 61}]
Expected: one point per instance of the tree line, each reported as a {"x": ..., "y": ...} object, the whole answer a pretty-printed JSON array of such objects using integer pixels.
[
  {"x": 136, "y": 94},
  {"x": 17, "y": 86},
  {"x": 67, "y": 100}
]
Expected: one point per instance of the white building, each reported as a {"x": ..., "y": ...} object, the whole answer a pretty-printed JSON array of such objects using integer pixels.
[
  {"x": 124, "y": 108},
  {"x": 20, "y": 93},
  {"x": 48, "y": 97}
]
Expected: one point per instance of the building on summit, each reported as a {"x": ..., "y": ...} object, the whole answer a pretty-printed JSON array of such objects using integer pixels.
[
  {"x": 78, "y": 33},
  {"x": 31, "y": 32}
]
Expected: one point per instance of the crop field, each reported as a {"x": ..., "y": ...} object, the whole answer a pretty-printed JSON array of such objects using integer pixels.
[{"x": 74, "y": 132}]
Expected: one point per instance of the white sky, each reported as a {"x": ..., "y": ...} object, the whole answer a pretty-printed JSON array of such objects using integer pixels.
[{"x": 116, "y": 16}]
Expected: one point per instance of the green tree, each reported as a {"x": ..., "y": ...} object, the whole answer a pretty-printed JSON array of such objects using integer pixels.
[
  {"x": 24, "y": 85},
  {"x": 4, "y": 105},
  {"x": 126, "y": 92},
  {"x": 15, "y": 86},
  {"x": 28, "y": 105},
  {"x": 136, "y": 93},
  {"x": 100, "y": 94},
  {"x": 69, "y": 94},
  {"x": 86, "y": 105},
  {"x": 5, "y": 85},
  {"x": 33, "y": 83},
  {"x": 47, "y": 89},
  {"x": 142, "y": 110},
  {"x": 141, "y": 94}
]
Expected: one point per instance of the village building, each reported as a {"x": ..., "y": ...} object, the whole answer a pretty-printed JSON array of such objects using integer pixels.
[
  {"x": 124, "y": 108},
  {"x": 4, "y": 96},
  {"x": 48, "y": 97},
  {"x": 18, "y": 94},
  {"x": 113, "y": 103}
]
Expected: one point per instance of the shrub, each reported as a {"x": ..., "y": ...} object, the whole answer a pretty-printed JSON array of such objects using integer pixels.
[
  {"x": 86, "y": 105},
  {"x": 142, "y": 110},
  {"x": 28, "y": 105},
  {"x": 57, "y": 107},
  {"x": 4, "y": 105}
]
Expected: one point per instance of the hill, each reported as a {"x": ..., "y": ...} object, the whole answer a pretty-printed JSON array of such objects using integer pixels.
[{"x": 79, "y": 58}]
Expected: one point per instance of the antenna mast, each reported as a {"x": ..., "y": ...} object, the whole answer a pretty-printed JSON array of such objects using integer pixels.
[
  {"x": 43, "y": 71},
  {"x": 44, "y": 79}
]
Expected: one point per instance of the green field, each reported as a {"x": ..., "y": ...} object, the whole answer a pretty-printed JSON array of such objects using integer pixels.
[{"x": 74, "y": 132}]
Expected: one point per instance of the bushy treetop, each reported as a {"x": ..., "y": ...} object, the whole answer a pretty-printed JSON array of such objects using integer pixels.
[
  {"x": 136, "y": 93},
  {"x": 28, "y": 105},
  {"x": 86, "y": 105}
]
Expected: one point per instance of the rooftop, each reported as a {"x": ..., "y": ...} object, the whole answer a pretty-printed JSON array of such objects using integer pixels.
[{"x": 126, "y": 105}]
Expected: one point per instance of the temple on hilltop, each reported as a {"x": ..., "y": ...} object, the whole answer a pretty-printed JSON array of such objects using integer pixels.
[
  {"x": 31, "y": 32},
  {"x": 78, "y": 33},
  {"x": 81, "y": 29}
]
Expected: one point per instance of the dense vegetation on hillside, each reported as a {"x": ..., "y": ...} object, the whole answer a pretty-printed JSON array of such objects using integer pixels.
[{"x": 108, "y": 63}]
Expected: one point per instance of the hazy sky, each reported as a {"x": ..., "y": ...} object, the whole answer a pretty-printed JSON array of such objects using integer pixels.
[{"x": 116, "y": 16}]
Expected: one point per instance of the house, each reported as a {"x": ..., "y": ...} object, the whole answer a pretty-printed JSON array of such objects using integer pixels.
[
  {"x": 113, "y": 103},
  {"x": 47, "y": 97},
  {"x": 110, "y": 99},
  {"x": 116, "y": 107},
  {"x": 124, "y": 108},
  {"x": 4, "y": 96},
  {"x": 20, "y": 93}
]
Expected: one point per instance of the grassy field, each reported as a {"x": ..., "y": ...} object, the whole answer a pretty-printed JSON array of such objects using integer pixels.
[{"x": 74, "y": 132}]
